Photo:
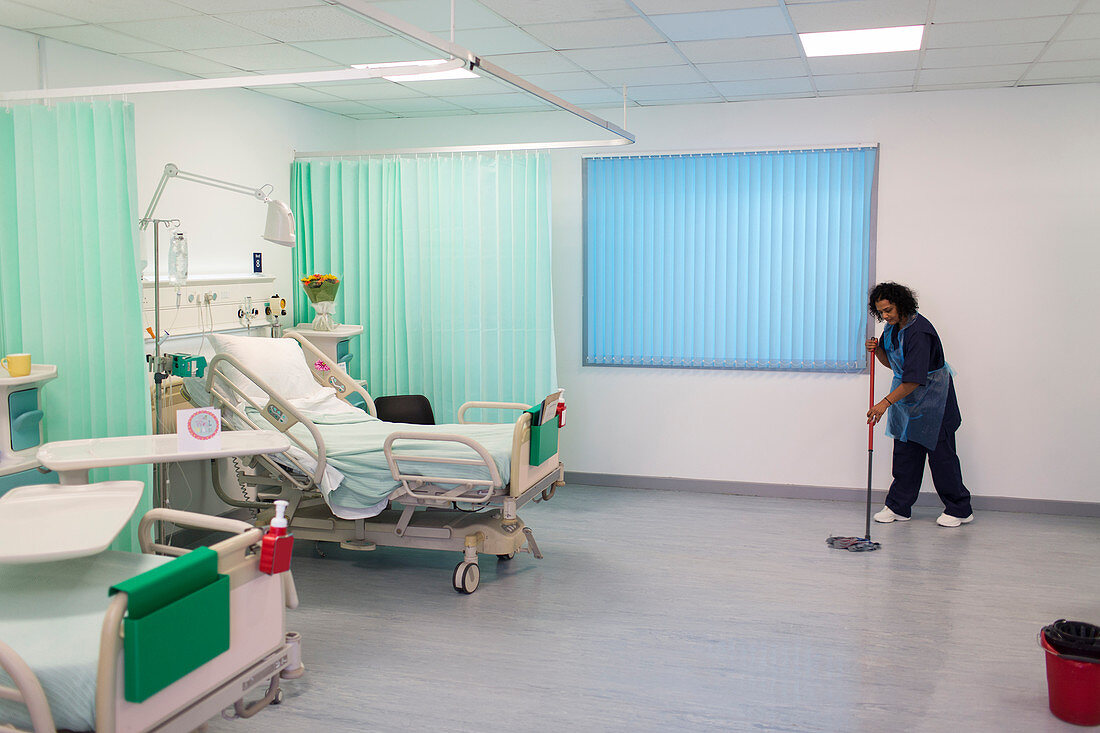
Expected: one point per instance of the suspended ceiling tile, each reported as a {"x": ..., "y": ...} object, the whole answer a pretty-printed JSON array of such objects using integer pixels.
[
  {"x": 973, "y": 75},
  {"x": 795, "y": 85},
  {"x": 369, "y": 50},
  {"x": 267, "y": 57},
  {"x": 1091, "y": 6},
  {"x": 220, "y": 6},
  {"x": 1082, "y": 27},
  {"x": 865, "y": 92},
  {"x": 523, "y": 64},
  {"x": 366, "y": 91},
  {"x": 566, "y": 81},
  {"x": 498, "y": 40},
  {"x": 106, "y": 11},
  {"x": 847, "y": 15},
  {"x": 595, "y": 33},
  {"x": 671, "y": 102},
  {"x": 1072, "y": 51},
  {"x": 447, "y": 87},
  {"x": 424, "y": 104},
  {"x": 682, "y": 74},
  {"x": 344, "y": 107},
  {"x": 318, "y": 23},
  {"x": 665, "y": 92},
  {"x": 435, "y": 16},
  {"x": 945, "y": 58},
  {"x": 99, "y": 38},
  {"x": 583, "y": 97},
  {"x": 954, "y": 11},
  {"x": 865, "y": 63},
  {"x": 740, "y": 49},
  {"x": 21, "y": 17},
  {"x": 664, "y": 7},
  {"x": 373, "y": 116},
  {"x": 991, "y": 32},
  {"x": 878, "y": 80},
  {"x": 526, "y": 12},
  {"x": 624, "y": 57},
  {"x": 182, "y": 61},
  {"x": 1064, "y": 70},
  {"x": 747, "y": 70},
  {"x": 296, "y": 93},
  {"x": 515, "y": 100},
  {"x": 723, "y": 24},
  {"x": 188, "y": 34}
]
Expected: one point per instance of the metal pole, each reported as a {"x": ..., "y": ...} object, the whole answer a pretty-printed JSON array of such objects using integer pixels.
[
  {"x": 870, "y": 445},
  {"x": 158, "y": 474}
]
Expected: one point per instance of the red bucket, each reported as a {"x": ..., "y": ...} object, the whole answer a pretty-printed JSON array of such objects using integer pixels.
[{"x": 1073, "y": 687}]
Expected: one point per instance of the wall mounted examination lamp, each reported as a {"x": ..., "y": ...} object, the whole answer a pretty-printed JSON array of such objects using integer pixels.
[{"x": 280, "y": 220}]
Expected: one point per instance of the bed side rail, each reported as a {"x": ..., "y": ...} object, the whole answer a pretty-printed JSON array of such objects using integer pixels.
[
  {"x": 476, "y": 404},
  {"x": 469, "y": 490},
  {"x": 330, "y": 374},
  {"x": 280, "y": 414},
  {"x": 28, "y": 690}
]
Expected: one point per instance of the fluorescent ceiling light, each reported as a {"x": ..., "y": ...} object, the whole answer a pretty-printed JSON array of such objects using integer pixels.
[
  {"x": 871, "y": 40},
  {"x": 428, "y": 75}
]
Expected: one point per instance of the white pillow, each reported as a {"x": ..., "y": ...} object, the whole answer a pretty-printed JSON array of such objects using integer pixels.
[{"x": 279, "y": 362}]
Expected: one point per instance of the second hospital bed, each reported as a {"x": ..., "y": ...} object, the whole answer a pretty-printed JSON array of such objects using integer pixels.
[{"x": 458, "y": 487}]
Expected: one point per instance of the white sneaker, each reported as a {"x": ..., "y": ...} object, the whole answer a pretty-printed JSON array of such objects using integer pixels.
[
  {"x": 887, "y": 515},
  {"x": 946, "y": 520}
]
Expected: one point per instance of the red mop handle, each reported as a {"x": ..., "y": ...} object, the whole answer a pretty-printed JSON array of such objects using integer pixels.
[{"x": 871, "y": 425}]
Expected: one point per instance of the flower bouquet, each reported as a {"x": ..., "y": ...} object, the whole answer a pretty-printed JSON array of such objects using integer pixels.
[{"x": 321, "y": 291}]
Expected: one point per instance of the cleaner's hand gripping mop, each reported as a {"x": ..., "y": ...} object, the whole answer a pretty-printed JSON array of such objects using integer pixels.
[{"x": 863, "y": 544}]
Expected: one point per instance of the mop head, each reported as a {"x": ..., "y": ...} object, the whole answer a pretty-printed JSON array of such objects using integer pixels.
[{"x": 853, "y": 544}]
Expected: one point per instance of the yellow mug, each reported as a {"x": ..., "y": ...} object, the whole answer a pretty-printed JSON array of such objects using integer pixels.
[{"x": 18, "y": 365}]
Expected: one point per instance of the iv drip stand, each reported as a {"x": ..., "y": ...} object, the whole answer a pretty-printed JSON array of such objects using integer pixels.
[{"x": 160, "y": 492}]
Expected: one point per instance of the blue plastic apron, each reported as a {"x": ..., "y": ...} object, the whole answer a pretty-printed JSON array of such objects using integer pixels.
[{"x": 917, "y": 417}]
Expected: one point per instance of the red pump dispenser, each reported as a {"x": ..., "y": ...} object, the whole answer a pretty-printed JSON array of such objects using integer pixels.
[{"x": 277, "y": 546}]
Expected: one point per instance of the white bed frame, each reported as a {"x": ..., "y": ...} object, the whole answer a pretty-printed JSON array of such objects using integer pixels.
[
  {"x": 258, "y": 652},
  {"x": 501, "y": 532}
]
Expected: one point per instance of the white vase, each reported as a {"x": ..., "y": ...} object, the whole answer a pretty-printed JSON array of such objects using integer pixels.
[{"x": 325, "y": 319}]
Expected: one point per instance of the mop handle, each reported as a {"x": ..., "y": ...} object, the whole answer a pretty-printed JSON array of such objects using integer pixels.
[{"x": 871, "y": 426}]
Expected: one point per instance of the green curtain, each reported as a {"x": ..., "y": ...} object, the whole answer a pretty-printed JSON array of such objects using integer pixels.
[
  {"x": 69, "y": 288},
  {"x": 445, "y": 261}
]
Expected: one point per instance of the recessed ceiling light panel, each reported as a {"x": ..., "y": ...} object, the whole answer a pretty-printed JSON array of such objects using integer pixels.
[{"x": 870, "y": 40}]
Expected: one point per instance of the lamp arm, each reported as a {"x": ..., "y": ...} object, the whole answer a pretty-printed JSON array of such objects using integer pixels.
[{"x": 171, "y": 170}]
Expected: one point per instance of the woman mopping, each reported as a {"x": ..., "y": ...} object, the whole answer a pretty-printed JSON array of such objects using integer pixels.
[{"x": 922, "y": 412}]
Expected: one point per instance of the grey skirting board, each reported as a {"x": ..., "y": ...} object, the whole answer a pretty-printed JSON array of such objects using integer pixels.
[{"x": 828, "y": 493}]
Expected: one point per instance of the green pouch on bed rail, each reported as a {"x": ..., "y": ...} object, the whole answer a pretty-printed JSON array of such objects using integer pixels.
[
  {"x": 544, "y": 438},
  {"x": 177, "y": 619}
]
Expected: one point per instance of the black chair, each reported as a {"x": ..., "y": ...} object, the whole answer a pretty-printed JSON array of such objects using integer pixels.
[{"x": 406, "y": 408}]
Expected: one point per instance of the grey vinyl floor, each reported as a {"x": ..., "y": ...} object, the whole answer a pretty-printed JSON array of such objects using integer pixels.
[{"x": 659, "y": 610}]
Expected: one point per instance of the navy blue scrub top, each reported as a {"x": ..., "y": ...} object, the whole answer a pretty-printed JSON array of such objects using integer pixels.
[{"x": 924, "y": 353}]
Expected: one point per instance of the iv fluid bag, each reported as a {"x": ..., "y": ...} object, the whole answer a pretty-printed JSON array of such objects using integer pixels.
[{"x": 177, "y": 260}]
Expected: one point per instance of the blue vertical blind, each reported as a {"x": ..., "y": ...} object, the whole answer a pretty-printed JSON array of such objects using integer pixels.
[
  {"x": 445, "y": 261},
  {"x": 754, "y": 260}
]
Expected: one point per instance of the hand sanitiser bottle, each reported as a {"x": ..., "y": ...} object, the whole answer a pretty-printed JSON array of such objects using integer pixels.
[
  {"x": 177, "y": 260},
  {"x": 277, "y": 544}
]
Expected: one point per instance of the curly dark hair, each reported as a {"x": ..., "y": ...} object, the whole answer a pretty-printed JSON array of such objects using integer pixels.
[{"x": 904, "y": 299}]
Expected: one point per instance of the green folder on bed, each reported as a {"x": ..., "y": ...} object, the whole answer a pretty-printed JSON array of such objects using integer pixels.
[{"x": 177, "y": 619}]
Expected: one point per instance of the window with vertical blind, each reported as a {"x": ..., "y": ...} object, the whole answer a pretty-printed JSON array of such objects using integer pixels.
[{"x": 755, "y": 260}]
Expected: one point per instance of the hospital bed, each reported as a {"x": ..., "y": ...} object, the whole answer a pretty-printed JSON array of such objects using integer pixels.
[
  {"x": 74, "y": 658},
  {"x": 356, "y": 480}
]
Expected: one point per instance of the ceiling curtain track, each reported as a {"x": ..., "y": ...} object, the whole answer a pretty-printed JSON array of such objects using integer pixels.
[{"x": 445, "y": 261}]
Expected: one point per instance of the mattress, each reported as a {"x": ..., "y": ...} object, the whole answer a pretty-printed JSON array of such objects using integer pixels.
[{"x": 51, "y": 615}]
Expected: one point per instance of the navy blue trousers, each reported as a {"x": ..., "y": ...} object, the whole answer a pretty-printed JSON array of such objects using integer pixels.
[{"x": 908, "y": 472}]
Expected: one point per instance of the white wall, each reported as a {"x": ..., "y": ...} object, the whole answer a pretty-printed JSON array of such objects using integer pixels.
[
  {"x": 986, "y": 208},
  {"x": 234, "y": 135}
]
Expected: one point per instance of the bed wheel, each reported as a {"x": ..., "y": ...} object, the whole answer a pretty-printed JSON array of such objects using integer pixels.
[
  {"x": 278, "y": 698},
  {"x": 506, "y": 558},
  {"x": 466, "y": 577}
]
